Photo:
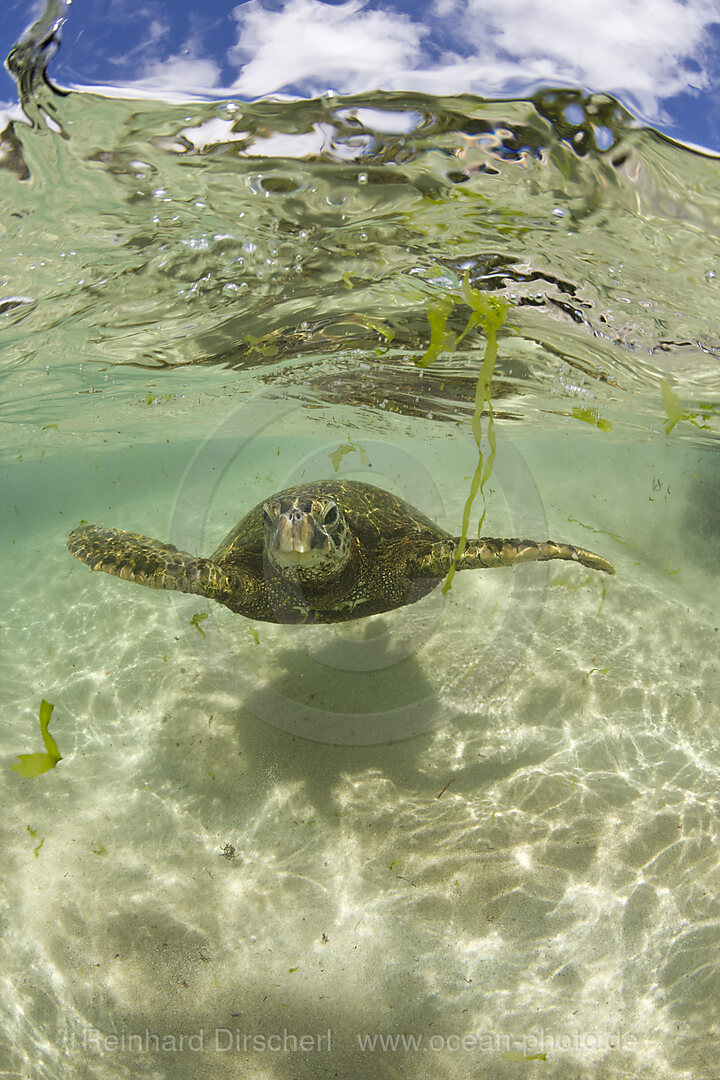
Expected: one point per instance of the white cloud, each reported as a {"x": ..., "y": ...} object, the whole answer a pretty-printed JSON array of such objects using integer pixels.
[
  {"x": 11, "y": 111},
  {"x": 388, "y": 120},
  {"x": 213, "y": 132},
  {"x": 180, "y": 74},
  {"x": 320, "y": 46},
  {"x": 645, "y": 51},
  {"x": 638, "y": 48},
  {"x": 176, "y": 79},
  {"x": 619, "y": 45}
]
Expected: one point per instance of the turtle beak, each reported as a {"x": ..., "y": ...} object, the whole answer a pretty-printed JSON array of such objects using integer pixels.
[{"x": 298, "y": 541}]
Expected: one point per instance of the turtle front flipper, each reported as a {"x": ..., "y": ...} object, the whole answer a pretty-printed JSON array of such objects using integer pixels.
[
  {"x": 133, "y": 557},
  {"x": 488, "y": 552}
]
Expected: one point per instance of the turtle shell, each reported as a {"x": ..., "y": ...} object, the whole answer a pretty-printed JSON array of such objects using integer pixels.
[{"x": 374, "y": 516}]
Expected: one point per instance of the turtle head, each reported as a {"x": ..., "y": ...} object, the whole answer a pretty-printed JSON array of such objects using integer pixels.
[{"x": 306, "y": 533}]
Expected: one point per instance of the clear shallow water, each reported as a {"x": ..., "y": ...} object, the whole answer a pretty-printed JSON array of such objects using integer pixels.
[{"x": 492, "y": 816}]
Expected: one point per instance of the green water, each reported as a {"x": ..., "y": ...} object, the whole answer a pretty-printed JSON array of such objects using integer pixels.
[{"x": 492, "y": 817}]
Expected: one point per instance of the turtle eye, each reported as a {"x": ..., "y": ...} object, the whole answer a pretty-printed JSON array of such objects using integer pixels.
[
  {"x": 268, "y": 517},
  {"x": 331, "y": 514}
]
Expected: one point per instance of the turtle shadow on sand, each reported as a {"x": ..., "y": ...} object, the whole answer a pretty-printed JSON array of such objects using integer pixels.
[
  {"x": 341, "y": 719},
  {"x": 292, "y": 713}
]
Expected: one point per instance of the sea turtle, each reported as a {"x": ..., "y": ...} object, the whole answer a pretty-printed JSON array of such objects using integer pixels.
[{"x": 321, "y": 552}]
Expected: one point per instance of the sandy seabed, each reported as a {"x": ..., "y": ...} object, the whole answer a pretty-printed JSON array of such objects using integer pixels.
[{"x": 431, "y": 844}]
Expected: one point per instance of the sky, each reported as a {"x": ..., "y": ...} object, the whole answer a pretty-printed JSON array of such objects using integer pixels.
[{"x": 660, "y": 57}]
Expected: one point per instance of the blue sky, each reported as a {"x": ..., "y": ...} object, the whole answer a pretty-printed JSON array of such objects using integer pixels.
[{"x": 661, "y": 57}]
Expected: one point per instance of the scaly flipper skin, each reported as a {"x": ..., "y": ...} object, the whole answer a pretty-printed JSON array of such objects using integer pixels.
[
  {"x": 148, "y": 562},
  {"x": 489, "y": 552}
]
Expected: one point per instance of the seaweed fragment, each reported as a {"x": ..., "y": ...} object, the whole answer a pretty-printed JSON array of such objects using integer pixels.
[
  {"x": 671, "y": 404},
  {"x": 590, "y": 416},
  {"x": 564, "y": 583},
  {"x": 601, "y": 532},
  {"x": 516, "y": 1055},
  {"x": 489, "y": 313},
  {"x": 36, "y": 849},
  {"x": 347, "y": 448},
  {"x": 441, "y": 340},
  {"x": 197, "y": 618},
  {"x": 34, "y": 764}
]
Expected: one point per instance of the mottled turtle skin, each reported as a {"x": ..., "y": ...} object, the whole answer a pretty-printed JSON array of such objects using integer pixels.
[{"x": 321, "y": 552}]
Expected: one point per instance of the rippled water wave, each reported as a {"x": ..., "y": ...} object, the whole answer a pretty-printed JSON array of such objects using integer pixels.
[{"x": 300, "y": 242}]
